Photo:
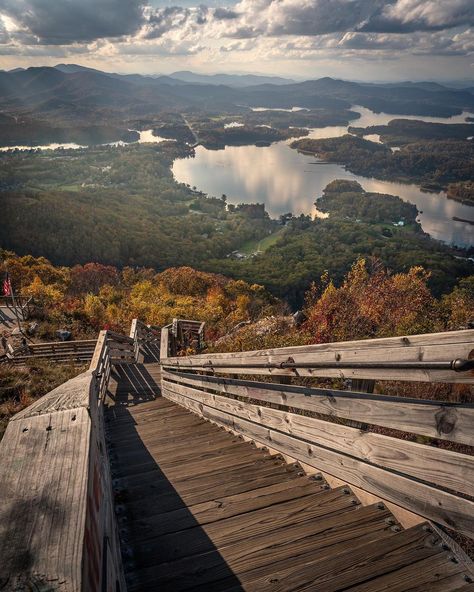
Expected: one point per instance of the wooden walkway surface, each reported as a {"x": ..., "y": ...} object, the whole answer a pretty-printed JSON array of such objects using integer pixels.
[{"x": 200, "y": 509}]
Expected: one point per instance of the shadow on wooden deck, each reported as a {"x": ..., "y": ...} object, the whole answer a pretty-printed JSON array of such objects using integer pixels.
[
  {"x": 143, "y": 496},
  {"x": 131, "y": 384}
]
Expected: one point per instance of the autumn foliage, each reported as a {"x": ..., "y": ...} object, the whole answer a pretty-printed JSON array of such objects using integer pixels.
[
  {"x": 370, "y": 302},
  {"x": 87, "y": 298}
]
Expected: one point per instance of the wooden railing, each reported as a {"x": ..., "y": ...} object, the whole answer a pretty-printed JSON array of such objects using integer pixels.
[
  {"x": 144, "y": 336},
  {"x": 350, "y": 436},
  {"x": 79, "y": 351},
  {"x": 57, "y": 521},
  {"x": 180, "y": 336},
  {"x": 23, "y": 308}
]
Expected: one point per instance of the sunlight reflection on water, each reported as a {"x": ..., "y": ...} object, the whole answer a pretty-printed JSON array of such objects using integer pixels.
[{"x": 287, "y": 181}]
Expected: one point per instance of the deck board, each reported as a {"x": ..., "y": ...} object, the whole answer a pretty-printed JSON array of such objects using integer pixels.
[{"x": 200, "y": 509}]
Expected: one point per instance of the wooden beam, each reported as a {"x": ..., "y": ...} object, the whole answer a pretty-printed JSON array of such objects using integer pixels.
[
  {"x": 440, "y": 347},
  {"x": 434, "y": 419},
  {"x": 444, "y": 468}
]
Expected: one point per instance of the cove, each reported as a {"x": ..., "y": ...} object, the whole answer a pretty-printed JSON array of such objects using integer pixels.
[{"x": 287, "y": 181}]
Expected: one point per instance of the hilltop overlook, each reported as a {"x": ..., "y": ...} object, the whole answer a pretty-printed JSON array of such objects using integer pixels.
[{"x": 236, "y": 296}]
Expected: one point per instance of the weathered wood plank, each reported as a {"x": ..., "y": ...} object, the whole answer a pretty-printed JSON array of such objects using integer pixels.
[
  {"x": 433, "y": 574},
  {"x": 353, "y": 565},
  {"x": 432, "y": 503},
  {"x": 172, "y": 470},
  {"x": 164, "y": 343},
  {"x": 214, "y": 510},
  {"x": 99, "y": 350},
  {"x": 451, "y": 422},
  {"x": 38, "y": 502},
  {"x": 444, "y": 338},
  {"x": 425, "y": 348},
  {"x": 224, "y": 482},
  {"x": 243, "y": 527},
  {"x": 262, "y": 553},
  {"x": 213, "y": 487},
  {"x": 441, "y": 467}
]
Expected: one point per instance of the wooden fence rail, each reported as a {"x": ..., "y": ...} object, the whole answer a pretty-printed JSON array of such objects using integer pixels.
[
  {"x": 20, "y": 310},
  {"x": 317, "y": 425},
  {"x": 181, "y": 335},
  {"x": 144, "y": 336},
  {"x": 79, "y": 351}
]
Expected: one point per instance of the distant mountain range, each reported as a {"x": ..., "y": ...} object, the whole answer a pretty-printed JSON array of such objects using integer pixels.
[
  {"x": 242, "y": 80},
  {"x": 238, "y": 80},
  {"x": 184, "y": 76},
  {"x": 76, "y": 93}
]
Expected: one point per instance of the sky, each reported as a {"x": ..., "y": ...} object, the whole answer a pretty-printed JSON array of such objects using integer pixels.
[{"x": 302, "y": 39}]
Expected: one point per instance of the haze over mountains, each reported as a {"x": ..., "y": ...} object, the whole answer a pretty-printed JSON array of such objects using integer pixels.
[{"x": 76, "y": 92}]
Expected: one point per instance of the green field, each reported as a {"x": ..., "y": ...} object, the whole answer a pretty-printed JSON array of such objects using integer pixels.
[{"x": 262, "y": 245}]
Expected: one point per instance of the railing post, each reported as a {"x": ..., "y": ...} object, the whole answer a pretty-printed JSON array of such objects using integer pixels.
[
  {"x": 164, "y": 343},
  {"x": 362, "y": 385},
  {"x": 134, "y": 334}
]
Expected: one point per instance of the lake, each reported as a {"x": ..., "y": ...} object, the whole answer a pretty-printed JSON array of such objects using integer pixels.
[
  {"x": 146, "y": 137},
  {"x": 287, "y": 181}
]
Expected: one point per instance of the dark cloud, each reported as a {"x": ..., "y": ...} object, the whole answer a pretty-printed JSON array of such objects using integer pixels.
[
  {"x": 4, "y": 36},
  {"x": 244, "y": 33},
  {"x": 364, "y": 26},
  {"x": 362, "y": 41},
  {"x": 320, "y": 17},
  {"x": 162, "y": 20},
  {"x": 62, "y": 22},
  {"x": 225, "y": 14}
]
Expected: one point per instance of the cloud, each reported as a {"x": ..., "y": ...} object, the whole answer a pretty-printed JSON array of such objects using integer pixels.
[
  {"x": 265, "y": 29},
  {"x": 225, "y": 14},
  {"x": 160, "y": 21},
  {"x": 319, "y": 17},
  {"x": 405, "y": 16},
  {"x": 62, "y": 22},
  {"x": 4, "y": 35}
]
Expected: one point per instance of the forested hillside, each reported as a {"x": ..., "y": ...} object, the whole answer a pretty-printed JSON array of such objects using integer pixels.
[
  {"x": 360, "y": 224},
  {"x": 370, "y": 301},
  {"x": 119, "y": 206},
  {"x": 431, "y": 163},
  {"x": 122, "y": 207}
]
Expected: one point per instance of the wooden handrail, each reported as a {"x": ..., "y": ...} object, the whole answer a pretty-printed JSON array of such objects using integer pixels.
[
  {"x": 425, "y": 358},
  {"x": 142, "y": 334},
  {"x": 179, "y": 335},
  {"x": 344, "y": 433},
  {"x": 433, "y": 419},
  {"x": 67, "y": 525}
]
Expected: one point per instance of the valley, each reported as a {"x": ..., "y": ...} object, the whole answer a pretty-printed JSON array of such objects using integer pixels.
[{"x": 230, "y": 170}]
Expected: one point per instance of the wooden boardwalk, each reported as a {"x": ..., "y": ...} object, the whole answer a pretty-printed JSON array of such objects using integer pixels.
[{"x": 201, "y": 509}]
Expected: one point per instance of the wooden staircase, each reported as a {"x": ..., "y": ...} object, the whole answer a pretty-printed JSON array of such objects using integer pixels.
[
  {"x": 201, "y": 509},
  {"x": 184, "y": 474}
]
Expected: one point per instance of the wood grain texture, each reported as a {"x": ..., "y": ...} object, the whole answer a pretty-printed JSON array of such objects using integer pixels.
[
  {"x": 196, "y": 522},
  {"x": 448, "y": 469},
  {"x": 451, "y": 422},
  {"x": 430, "y": 347},
  {"x": 429, "y": 502},
  {"x": 43, "y": 486}
]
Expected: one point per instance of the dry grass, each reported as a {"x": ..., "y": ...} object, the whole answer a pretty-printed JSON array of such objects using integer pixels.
[{"x": 22, "y": 385}]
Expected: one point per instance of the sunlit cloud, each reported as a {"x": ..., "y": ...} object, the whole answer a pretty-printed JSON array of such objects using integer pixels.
[{"x": 248, "y": 33}]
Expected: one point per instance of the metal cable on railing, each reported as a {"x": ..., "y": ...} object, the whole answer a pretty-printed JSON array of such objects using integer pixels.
[{"x": 458, "y": 365}]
